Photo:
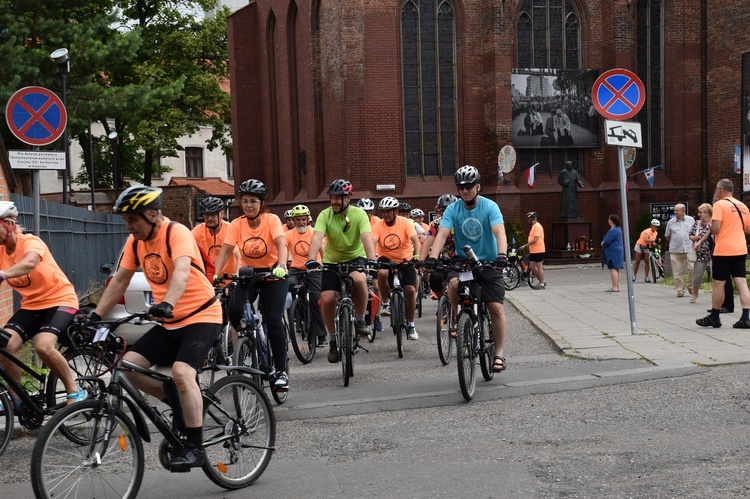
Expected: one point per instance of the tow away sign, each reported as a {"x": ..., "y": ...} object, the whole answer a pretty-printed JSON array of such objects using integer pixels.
[{"x": 623, "y": 133}]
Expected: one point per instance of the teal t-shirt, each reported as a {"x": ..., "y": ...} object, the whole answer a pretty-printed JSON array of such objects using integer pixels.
[{"x": 343, "y": 234}]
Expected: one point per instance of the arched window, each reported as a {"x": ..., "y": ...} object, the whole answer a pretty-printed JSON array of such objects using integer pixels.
[
  {"x": 428, "y": 61},
  {"x": 548, "y": 35},
  {"x": 650, "y": 69}
]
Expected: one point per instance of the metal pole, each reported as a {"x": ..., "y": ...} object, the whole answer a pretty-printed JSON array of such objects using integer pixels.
[
  {"x": 626, "y": 237},
  {"x": 37, "y": 202},
  {"x": 66, "y": 147},
  {"x": 93, "y": 170}
]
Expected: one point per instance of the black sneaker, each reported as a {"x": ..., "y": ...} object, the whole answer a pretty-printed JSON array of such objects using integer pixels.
[
  {"x": 741, "y": 324},
  {"x": 333, "y": 353},
  {"x": 189, "y": 457},
  {"x": 281, "y": 382},
  {"x": 708, "y": 321}
]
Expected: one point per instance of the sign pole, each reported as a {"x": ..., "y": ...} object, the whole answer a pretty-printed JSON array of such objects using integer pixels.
[
  {"x": 37, "y": 189},
  {"x": 626, "y": 237}
]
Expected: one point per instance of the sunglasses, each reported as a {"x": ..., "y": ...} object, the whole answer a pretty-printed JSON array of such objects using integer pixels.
[
  {"x": 466, "y": 187},
  {"x": 347, "y": 223}
]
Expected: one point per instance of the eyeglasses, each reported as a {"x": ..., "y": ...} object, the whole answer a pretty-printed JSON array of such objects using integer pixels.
[{"x": 466, "y": 187}]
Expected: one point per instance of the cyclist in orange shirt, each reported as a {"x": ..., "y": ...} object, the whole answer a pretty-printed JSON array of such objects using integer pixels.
[
  {"x": 211, "y": 233},
  {"x": 184, "y": 303},
  {"x": 48, "y": 300},
  {"x": 397, "y": 241},
  {"x": 289, "y": 220},
  {"x": 260, "y": 237},
  {"x": 298, "y": 246},
  {"x": 643, "y": 247},
  {"x": 536, "y": 248}
]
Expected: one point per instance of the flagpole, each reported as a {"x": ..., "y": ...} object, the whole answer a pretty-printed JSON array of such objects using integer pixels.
[{"x": 626, "y": 236}]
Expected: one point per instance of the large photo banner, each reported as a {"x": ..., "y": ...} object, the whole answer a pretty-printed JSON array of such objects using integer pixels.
[
  {"x": 553, "y": 108},
  {"x": 745, "y": 119}
]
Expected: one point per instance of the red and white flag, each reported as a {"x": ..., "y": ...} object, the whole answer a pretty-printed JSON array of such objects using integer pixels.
[{"x": 529, "y": 174}]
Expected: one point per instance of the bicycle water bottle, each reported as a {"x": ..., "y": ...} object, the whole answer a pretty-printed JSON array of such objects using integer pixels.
[{"x": 470, "y": 253}]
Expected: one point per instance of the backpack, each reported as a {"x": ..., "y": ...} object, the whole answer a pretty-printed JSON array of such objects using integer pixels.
[{"x": 208, "y": 269}]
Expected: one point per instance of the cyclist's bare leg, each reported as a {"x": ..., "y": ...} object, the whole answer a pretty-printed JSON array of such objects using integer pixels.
[
  {"x": 637, "y": 264},
  {"x": 191, "y": 400},
  {"x": 499, "y": 326},
  {"x": 359, "y": 292},
  {"x": 410, "y": 292},
  {"x": 538, "y": 269},
  {"x": 385, "y": 289},
  {"x": 14, "y": 343},
  {"x": 647, "y": 262},
  {"x": 328, "y": 309},
  {"x": 44, "y": 344},
  {"x": 453, "y": 294},
  {"x": 144, "y": 383}
]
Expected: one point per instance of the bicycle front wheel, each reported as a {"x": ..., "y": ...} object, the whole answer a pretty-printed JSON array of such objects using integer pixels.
[
  {"x": 654, "y": 268},
  {"x": 6, "y": 419},
  {"x": 467, "y": 366},
  {"x": 239, "y": 432},
  {"x": 511, "y": 277},
  {"x": 96, "y": 468},
  {"x": 486, "y": 345},
  {"x": 444, "y": 343},
  {"x": 345, "y": 343},
  {"x": 303, "y": 341},
  {"x": 398, "y": 316},
  {"x": 420, "y": 295},
  {"x": 532, "y": 280}
]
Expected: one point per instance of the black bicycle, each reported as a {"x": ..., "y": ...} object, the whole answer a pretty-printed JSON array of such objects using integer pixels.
[
  {"x": 253, "y": 347},
  {"x": 398, "y": 302},
  {"x": 348, "y": 340},
  {"x": 105, "y": 458},
  {"x": 656, "y": 262},
  {"x": 304, "y": 340},
  {"x": 41, "y": 393},
  {"x": 220, "y": 353},
  {"x": 518, "y": 270}
]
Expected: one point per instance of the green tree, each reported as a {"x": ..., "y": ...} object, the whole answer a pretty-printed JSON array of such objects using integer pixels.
[{"x": 148, "y": 70}]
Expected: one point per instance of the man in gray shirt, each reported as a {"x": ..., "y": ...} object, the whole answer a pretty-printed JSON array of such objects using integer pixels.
[{"x": 678, "y": 235}]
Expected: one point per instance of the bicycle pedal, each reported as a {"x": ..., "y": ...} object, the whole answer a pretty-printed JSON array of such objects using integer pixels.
[{"x": 180, "y": 470}]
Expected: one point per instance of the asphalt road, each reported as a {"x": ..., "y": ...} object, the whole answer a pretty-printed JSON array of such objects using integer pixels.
[{"x": 550, "y": 426}]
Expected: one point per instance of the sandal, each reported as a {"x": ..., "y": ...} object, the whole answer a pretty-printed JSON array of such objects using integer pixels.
[
  {"x": 693, "y": 299},
  {"x": 498, "y": 365}
]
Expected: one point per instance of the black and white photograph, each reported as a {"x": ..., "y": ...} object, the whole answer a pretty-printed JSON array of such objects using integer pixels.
[{"x": 553, "y": 108}]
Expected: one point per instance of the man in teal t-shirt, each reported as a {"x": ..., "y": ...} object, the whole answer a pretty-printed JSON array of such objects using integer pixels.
[{"x": 348, "y": 240}]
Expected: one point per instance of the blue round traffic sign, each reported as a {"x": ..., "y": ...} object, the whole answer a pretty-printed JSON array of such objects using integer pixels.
[
  {"x": 36, "y": 116},
  {"x": 618, "y": 94}
]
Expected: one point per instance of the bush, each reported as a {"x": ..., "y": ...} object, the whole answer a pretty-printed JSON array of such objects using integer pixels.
[{"x": 515, "y": 234}]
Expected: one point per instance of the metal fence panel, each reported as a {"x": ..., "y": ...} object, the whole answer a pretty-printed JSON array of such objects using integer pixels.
[{"x": 80, "y": 240}]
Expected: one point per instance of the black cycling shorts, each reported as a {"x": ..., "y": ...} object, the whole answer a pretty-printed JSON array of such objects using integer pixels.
[
  {"x": 536, "y": 257},
  {"x": 491, "y": 282},
  {"x": 408, "y": 274},
  {"x": 331, "y": 281},
  {"x": 725, "y": 266},
  {"x": 189, "y": 344},
  {"x": 55, "y": 320}
]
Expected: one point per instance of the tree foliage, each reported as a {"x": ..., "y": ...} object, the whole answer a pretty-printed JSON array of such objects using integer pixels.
[{"x": 146, "y": 69}]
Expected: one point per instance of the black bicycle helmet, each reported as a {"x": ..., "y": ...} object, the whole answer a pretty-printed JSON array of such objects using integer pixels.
[
  {"x": 467, "y": 175},
  {"x": 530, "y": 215},
  {"x": 210, "y": 205},
  {"x": 445, "y": 200},
  {"x": 366, "y": 204},
  {"x": 404, "y": 207},
  {"x": 340, "y": 187},
  {"x": 253, "y": 186},
  {"x": 138, "y": 198}
]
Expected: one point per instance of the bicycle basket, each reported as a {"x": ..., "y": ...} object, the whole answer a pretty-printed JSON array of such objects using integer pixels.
[{"x": 103, "y": 346}]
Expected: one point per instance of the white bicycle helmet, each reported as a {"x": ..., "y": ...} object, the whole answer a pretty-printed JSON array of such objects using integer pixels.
[
  {"x": 366, "y": 204},
  {"x": 8, "y": 210},
  {"x": 288, "y": 214},
  {"x": 655, "y": 222},
  {"x": 416, "y": 212},
  {"x": 467, "y": 174},
  {"x": 388, "y": 203}
]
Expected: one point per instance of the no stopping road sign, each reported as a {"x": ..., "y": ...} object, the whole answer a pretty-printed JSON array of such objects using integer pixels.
[{"x": 36, "y": 116}]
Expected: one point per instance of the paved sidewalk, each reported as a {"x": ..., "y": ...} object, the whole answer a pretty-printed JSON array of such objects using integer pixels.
[{"x": 585, "y": 321}]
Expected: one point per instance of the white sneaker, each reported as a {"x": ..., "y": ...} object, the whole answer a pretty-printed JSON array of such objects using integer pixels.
[
  {"x": 385, "y": 309},
  {"x": 412, "y": 333}
]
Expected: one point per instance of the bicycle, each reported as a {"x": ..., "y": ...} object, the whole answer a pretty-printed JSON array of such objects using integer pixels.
[
  {"x": 420, "y": 295},
  {"x": 253, "y": 347},
  {"x": 656, "y": 262},
  {"x": 39, "y": 397},
  {"x": 474, "y": 324},
  {"x": 398, "y": 302},
  {"x": 446, "y": 322},
  {"x": 518, "y": 270},
  {"x": 304, "y": 342},
  {"x": 106, "y": 458},
  {"x": 220, "y": 352},
  {"x": 348, "y": 340}
]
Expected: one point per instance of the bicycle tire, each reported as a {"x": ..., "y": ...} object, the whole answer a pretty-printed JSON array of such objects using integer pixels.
[
  {"x": 279, "y": 395},
  {"x": 6, "y": 419},
  {"x": 245, "y": 355},
  {"x": 467, "y": 366},
  {"x": 397, "y": 321},
  {"x": 81, "y": 362},
  {"x": 345, "y": 343},
  {"x": 511, "y": 277},
  {"x": 206, "y": 374},
  {"x": 444, "y": 343},
  {"x": 486, "y": 345},
  {"x": 240, "y": 410},
  {"x": 420, "y": 295},
  {"x": 61, "y": 468},
  {"x": 654, "y": 268},
  {"x": 302, "y": 341},
  {"x": 531, "y": 279}
]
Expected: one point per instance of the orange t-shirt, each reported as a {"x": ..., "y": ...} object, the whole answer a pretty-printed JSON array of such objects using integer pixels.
[
  {"x": 158, "y": 267},
  {"x": 648, "y": 237},
  {"x": 211, "y": 244},
  {"x": 538, "y": 246},
  {"x": 44, "y": 287},
  {"x": 257, "y": 247},
  {"x": 299, "y": 247},
  {"x": 394, "y": 243},
  {"x": 730, "y": 240}
]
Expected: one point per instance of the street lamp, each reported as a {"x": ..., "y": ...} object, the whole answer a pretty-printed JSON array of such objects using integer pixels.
[
  {"x": 62, "y": 59},
  {"x": 116, "y": 162}
]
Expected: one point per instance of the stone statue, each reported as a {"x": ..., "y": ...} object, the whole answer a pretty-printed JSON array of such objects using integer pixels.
[{"x": 570, "y": 180}]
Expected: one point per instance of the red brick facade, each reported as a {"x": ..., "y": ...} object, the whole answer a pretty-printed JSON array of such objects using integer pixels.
[{"x": 316, "y": 95}]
